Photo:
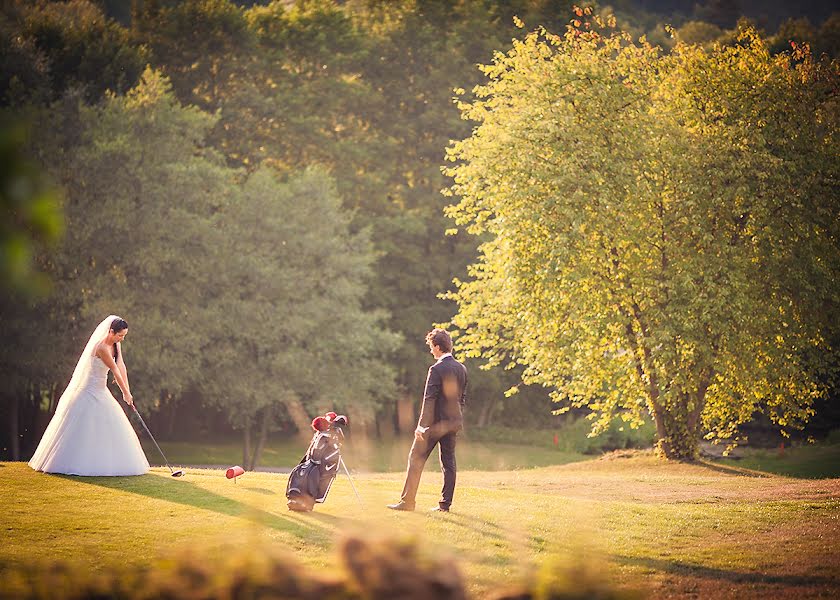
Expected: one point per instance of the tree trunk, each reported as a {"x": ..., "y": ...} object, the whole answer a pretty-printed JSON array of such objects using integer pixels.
[
  {"x": 662, "y": 444},
  {"x": 406, "y": 421},
  {"x": 14, "y": 433},
  {"x": 678, "y": 437},
  {"x": 363, "y": 423},
  {"x": 173, "y": 415},
  {"x": 696, "y": 410},
  {"x": 386, "y": 425},
  {"x": 298, "y": 414},
  {"x": 647, "y": 379},
  {"x": 53, "y": 398},
  {"x": 672, "y": 439},
  {"x": 268, "y": 416},
  {"x": 677, "y": 428},
  {"x": 485, "y": 417},
  {"x": 246, "y": 449}
]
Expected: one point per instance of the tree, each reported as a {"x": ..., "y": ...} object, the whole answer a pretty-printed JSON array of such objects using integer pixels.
[
  {"x": 288, "y": 331},
  {"x": 31, "y": 210},
  {"x": 829, "y": 36},
  {"x": 723, "y": 13},
  {"x": 362, "y": 89},
  {"x": 799, "y": 31},
  {"x": 664, "y": 232},
  {"x": 139, "y": 198},
  {"x": 63, "y": 45},
  {"x": 244, "y": 286},
  {"x": 699, "y": 32}
]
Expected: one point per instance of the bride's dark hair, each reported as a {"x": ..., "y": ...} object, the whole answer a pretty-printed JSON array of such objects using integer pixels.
[{"x": 117, "y": 325}]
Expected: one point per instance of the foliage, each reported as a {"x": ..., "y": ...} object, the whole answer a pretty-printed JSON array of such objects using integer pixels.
[
  {"x": 288, "y": 305},
  {"x": 699, "y": 32},
  {"x": 228, "y": 280},
  {"x": 359, "y": 92},
  {"x": 655, "y": 221},
  {"x": 363, "y": 90},
  {"x": 68, "y": 45},
  {"x": 30, "y": 213},
  {"x": 572, "y": 436},
  {"x": 825, "y": 39}
]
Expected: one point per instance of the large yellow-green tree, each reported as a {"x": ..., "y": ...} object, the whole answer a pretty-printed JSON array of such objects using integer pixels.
[{"x": 662, "y": 228}]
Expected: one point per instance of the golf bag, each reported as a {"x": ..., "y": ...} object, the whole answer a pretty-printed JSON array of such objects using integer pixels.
[{"x": 310, "y": 481}]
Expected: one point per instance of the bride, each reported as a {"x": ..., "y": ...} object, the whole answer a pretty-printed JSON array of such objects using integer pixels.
[{"x": 89, "y": 433}]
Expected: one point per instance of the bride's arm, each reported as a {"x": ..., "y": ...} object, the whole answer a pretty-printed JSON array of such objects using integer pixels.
[
  {"x": 121, "y": 365},
  {"x": 104, "y": 352}
]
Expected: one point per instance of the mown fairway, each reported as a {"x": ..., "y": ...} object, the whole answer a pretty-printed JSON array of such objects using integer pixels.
[{"x": 703, "y": 530}]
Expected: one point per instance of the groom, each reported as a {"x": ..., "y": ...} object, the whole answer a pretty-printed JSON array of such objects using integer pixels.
[{"x": 440, "y": 420}]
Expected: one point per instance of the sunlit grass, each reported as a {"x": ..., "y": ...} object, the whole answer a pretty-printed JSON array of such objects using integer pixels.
[
  {"x": 811, "y": 461},
  {"x": 380, "y": 456},
  {"x": 665, "y": 528}
]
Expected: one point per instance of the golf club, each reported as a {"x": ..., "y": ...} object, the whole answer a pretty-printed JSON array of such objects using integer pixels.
[
  {"x": 341, "y": 459},
  {"x": 179, "y": 472}
]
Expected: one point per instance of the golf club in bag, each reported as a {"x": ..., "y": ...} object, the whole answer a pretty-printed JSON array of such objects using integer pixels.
[
  {"x": 310, "y": 481},
  {"x": 179, "y": 472}
]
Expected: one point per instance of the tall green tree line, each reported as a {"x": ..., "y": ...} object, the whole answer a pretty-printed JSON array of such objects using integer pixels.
[
  {"x": 363, "y": 88},
  {"x": 291, "y": 87},
  {"x": 245, "y": 286},
  {"x": 361, "y": 91}
]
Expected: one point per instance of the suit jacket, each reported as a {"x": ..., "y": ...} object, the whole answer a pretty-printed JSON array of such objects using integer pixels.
[{"x": 444, "y": 398}]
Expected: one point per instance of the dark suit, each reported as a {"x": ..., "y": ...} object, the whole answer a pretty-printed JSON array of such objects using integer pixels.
[{"x": 443, "y": 401}]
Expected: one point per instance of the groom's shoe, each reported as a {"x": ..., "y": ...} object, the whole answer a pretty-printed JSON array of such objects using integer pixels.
[
  {"x": 437, "y": 509},
  {"x": 401, "y": 506}
]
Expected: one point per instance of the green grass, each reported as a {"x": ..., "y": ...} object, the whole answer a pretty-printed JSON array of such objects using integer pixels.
[
  {"x": 378, "y": 456},
  {"x": 482, "y": 449},
  {"x": 705, "y": 530},
  {"x": 814, "y": 461}
]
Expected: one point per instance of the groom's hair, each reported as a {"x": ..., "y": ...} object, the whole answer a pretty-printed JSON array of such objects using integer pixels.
[{"x": 440, "y": 338}]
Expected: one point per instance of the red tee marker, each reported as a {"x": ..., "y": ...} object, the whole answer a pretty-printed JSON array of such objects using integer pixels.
[{"x": 234, "y": 472}]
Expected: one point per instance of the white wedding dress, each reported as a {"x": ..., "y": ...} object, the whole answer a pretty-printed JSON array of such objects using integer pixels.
[{"x": 89, "y": 433}]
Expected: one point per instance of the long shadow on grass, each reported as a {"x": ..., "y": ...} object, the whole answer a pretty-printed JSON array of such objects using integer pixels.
[
  {"x": 263, "y": 491},
  {"x": 472, "y": 525},
  {"x": 683, "y": 568},
  {"x": 817, "y": 467},
  {"x": 184, "y": 492},
  {"x": 740, "y": 471}
]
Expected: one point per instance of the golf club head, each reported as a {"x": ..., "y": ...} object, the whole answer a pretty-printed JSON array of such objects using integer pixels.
[{"x": 178, "y": 473}]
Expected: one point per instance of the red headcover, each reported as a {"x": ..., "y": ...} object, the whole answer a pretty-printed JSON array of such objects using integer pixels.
[
  {"x": 320, "y": 424},
  {"x": 330, "y": 416}
]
